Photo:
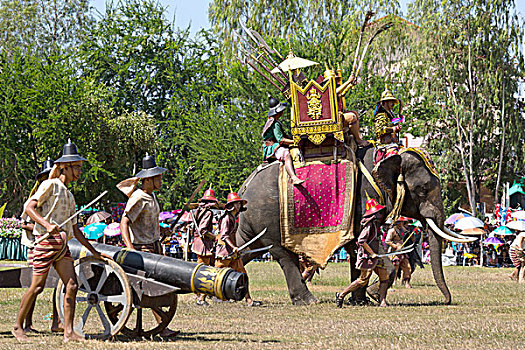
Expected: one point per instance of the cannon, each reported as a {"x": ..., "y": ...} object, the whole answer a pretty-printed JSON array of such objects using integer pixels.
[{"x": 116, "y": 292}]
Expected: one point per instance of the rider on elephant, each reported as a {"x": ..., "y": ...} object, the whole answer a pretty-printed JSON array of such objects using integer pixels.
[
  {"x": 274, "y": 140},
  {"x": 367, "y": 260},
  {"x": 204, "y": 239},
  {"x": 386, "y": 124},
  {"x": 227, "y": 253}
]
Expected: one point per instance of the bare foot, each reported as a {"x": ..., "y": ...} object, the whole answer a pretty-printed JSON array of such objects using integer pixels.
[
  {"x": 383, "y": 304},
  {"x": 407, "y": 285},
  {"x": 168, "y": 333},
  {"x": 297, "y": 181},
  {"x": 20, "y": 335},
  {"x": 73, "y": 337},
  {"x": 57, "y": 329},
  {"x": 30, "y": 329},
  {"x": 512, "y": 276}
]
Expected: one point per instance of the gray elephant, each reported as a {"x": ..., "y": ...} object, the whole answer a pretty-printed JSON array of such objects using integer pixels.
[{"x": 422, "y": 201}]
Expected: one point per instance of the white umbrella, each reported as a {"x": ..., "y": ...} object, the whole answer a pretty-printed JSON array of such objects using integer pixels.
[
  {"x": 293, "y": 62},
  {"x": 468, "y": 222},
  {"x": 516, "y": 225},
  {"x": 520, "y": 215}
]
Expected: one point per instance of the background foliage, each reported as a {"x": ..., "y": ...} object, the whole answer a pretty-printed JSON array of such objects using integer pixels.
[{"x": 128, "y": 81}]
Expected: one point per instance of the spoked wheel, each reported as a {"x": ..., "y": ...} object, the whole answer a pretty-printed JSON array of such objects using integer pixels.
[
  {"x": 98, "y": 281},
  {"x": 145, "y": 323}
]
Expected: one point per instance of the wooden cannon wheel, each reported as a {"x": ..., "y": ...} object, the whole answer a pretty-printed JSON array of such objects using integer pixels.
[
  {"x": 98, "y": 281},
  {"x": 164, "y": 306}
]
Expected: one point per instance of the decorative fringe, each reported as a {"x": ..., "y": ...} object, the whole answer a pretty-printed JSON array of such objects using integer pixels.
[{"x": 400, "y": 198}]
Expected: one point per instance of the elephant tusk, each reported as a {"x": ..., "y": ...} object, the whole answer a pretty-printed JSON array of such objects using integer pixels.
[
  {"x": 455, "y": 234},
  {"x": 453, "y": 238}
]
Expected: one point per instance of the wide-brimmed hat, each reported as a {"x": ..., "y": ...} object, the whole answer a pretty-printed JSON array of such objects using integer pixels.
[
  {"x": 388, "y": 96},
  {"x": 372, "y": 207},
  {"x": 46, "y": 167},
  {"x": 209, "y": 196},
  {"x": 149, "y": 168},
  {"x": 233, "y": 197},
  {"x": 70, "y": 154},
  {"x": 275, "y": 107}
]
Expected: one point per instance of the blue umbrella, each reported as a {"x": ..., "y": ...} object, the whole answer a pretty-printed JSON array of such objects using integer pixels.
[
  {"x": 94, "y": 231},
  {"x": 502, "y": 231}
]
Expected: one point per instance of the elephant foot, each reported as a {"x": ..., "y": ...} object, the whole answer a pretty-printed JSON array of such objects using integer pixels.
[{"x": 305, "y": 299}]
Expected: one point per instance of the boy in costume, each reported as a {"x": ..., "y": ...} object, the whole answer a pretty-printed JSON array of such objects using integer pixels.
[
  {"x": 394, "y": 239},
  {"x": 274, "y": 140},
  {"x": 203, "y": 237},
  {"x": 386, "y": 124},
  {"x": 51, "y": 205},
  {"x": 140, "y": 223},
  {"x": 28, "y": 226},
  {"x": 367, "y": 260},
  {"x": 226, "y": 244}
]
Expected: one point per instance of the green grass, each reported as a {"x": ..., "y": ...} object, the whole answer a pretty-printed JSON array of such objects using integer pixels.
[{"x": 486, "y": 314}]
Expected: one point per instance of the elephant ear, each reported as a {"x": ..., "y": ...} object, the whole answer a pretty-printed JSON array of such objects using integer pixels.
[{"x": 385, "y": 173}]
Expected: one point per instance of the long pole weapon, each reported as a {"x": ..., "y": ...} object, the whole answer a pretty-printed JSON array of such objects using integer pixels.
[
  {"x": 368, "y": 15},
  {"x": 187, "y": 205},
  {"x": 47, "y": 234}
]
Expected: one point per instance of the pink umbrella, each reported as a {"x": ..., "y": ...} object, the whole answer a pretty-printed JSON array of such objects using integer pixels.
[
  {"x": 455, "y": 217},
  {"x": 112, "y": 229},
  {"x": 98, "y": 217},
  {"x": 166, "y": 215}
]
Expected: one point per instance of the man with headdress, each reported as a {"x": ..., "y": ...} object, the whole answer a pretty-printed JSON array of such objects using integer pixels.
[
  {"x": 27, "y": 237},
  {"x": 140, "y": 223},
  {"x": 53, "y": 204},
  {"x": 386, "y": 124},
  {"x": 274, "y": 141},
  {"x": 203, "y": 237},
  {"x": 227, "y": 252},
  {"x": 368, "y": 248},
  {"x": 395, "y": 240}
]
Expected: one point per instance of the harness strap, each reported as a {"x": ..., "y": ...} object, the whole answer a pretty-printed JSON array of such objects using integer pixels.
[{"x": 370, "y": 179}]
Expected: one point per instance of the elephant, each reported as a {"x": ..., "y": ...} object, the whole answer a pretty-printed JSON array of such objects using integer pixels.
[{"x": 422, "y": 202}]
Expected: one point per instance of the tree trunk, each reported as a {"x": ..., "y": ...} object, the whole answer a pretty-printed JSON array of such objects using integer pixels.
[{"x": 503, "y": 126}]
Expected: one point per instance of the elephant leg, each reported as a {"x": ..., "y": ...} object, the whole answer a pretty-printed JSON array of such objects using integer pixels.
[{"x": 297, "y": 288}]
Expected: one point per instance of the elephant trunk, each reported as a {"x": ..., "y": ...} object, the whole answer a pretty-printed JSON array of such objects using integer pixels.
[{"x": 435, "y": 241}]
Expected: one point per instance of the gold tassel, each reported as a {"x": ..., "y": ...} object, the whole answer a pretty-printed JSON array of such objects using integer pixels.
[{"x": 400, "y": 198}]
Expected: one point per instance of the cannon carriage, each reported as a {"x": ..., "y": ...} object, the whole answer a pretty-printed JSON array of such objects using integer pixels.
[{"x": 113, "y": 295}]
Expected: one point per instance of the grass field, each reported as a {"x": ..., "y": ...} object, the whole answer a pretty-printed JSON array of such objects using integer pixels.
[{"x": 487, "y": 313}]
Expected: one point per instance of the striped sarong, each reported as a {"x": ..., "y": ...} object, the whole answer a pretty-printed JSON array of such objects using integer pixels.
[
  {"x": 48, "y": 252},
  {"x": 516, "y": 256}
]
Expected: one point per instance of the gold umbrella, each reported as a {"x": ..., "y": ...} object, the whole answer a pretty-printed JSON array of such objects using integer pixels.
[{"x": 293, "y": 62}]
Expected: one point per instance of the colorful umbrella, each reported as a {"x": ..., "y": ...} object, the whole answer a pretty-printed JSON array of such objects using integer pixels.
[
  {"x": 473, "y": 232},
  {"x": 112, "y": 229},
  {"x": 502, "y": 231},
  {"x": 165, "y": 215},
  {"x": 468, "y": 222},
  {"x": 98, "y": 217},
  {"x": 416, "y": 223},
  {"x": 455, "y": 217},
  {"x": 95, "y": 230},
  {"x": 519, "y": 215},
  {"x": 516, "y": 225},
  {"x": 164, "y": 225},
  {"x": 492, "y": 240}
]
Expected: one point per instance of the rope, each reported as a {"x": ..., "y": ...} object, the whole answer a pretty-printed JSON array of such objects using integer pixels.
[{"x": 370, "y": 179}]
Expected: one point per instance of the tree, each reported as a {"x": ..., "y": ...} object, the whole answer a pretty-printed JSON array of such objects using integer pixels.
[{"x": 464, "y": 68}]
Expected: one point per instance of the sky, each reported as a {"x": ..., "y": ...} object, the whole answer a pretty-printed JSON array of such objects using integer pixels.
[{"x": 196, "y": 11}]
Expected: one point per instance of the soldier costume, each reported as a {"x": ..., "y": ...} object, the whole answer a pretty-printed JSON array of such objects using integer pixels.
[
  {"x": 203, "y": 238},
  {"x": 51, "y": 205},
  {"x": 394, "y": 239},
  {"x": 227, "y": 252},
  {"x": 368, "y": 247},
  {"x": 274, "y": 140},
  {"x": 140, "y": 222},
  {"x": 385, "y": 122}
]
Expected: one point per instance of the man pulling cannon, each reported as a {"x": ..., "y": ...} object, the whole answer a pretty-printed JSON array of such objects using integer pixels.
[
  {"x": 204, "y": 239},
  {"x": 53, "y": 205},
  {"x": 227, "y": 253},
  {"x": 140, "y": 223}
]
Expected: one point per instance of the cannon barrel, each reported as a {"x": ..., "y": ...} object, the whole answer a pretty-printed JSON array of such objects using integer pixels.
[{"x": 224, "y": 283}]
